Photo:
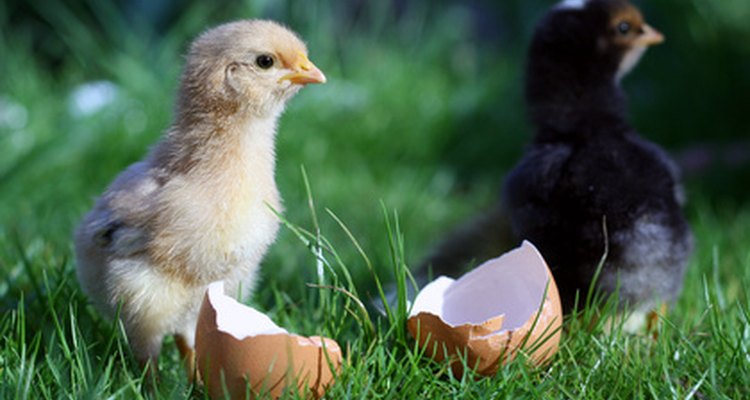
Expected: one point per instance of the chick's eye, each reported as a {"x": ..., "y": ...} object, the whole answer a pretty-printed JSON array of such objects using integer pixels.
[
  {"x": 623, "y": 28},
  {"x": 264, "y": 61}
]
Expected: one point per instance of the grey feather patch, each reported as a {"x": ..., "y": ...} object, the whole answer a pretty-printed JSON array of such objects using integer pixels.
[
  {"x": 105, "y": 236},
  {"x": 653, "y": 262},
  {"x": 119, "y": 239}
]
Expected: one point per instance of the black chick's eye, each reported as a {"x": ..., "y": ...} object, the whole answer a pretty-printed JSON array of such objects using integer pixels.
[
  {"x": 264, "y": 61},
  {"x": 623, "y": 28}
]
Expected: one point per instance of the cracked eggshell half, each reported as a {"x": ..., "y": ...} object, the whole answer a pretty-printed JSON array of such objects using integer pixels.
[
  {"x": 506, "y": 305},
  {"x": 236, "y": 344}
]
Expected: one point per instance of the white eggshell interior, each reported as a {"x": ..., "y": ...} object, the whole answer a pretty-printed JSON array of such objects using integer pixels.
[
  {"x": 512, "y": 285},
  {"x": 238, "y": 319},
  {"x": 430, "y": 298}
]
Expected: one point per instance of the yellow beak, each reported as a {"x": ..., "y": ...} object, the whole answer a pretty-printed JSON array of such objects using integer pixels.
[
  {"x": 650, "y": 36},
  {"x": 304, "y": 72}
]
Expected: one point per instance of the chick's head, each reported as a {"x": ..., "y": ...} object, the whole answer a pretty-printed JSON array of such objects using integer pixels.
[
  {"x": 603, "y": 37},
  {"x": 251, "y": 65},
  {"x": 628, "y": 34},
  {"x": 621, "y": 33}
]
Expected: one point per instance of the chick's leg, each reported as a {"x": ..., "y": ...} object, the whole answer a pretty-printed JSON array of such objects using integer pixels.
[
  {"x": 186, "y": 345},
  {"x": 146, "y": 348},
  {"x": 653, "y": 324},
  {"x": 641, "y": 320}
]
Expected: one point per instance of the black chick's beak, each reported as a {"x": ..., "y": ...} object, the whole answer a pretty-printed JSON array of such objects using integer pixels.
[{"x": 649, "y": 36}]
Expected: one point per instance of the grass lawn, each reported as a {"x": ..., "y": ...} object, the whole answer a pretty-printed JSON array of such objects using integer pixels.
[{"x": 411, "y": 135}]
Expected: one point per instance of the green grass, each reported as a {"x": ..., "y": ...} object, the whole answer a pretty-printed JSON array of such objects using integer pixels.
[{"x": 411, "y": 135}]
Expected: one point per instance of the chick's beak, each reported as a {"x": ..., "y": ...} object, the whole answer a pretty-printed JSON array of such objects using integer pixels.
[
  {"x": 304, "y": 72},
  {"x": 650, "y": 36}
]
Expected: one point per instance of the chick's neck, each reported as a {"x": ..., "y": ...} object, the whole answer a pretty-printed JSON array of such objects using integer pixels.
[
  {"x": 572, "y": 91},
  {"x": 208, "y": 138},
  {"x": 574, "y": 102}
]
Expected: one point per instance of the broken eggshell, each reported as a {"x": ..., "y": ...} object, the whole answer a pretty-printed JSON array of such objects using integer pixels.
[
  {"x": 506, "y": 305},
  {"x": 238, "y": 346}
]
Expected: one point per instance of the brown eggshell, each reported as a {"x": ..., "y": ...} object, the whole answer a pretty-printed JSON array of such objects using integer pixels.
[
  {"x": 491, "y": 313},
  {"x": 265, "y": 356}
]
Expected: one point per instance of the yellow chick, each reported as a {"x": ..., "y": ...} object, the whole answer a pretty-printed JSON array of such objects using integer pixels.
[{"x": 196, "y": 209}]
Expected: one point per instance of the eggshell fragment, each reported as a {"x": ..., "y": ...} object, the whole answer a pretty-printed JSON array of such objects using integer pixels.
[
  {"x": 236, "y": 345},
  {"x": 506, "y": 305}
]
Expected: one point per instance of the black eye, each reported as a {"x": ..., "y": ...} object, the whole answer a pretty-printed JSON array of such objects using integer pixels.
[
  {"x": 264, "y": 61},
  {"x": 623, "y": 28}
]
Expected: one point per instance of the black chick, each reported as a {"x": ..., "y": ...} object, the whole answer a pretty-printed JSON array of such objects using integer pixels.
[{"x": 588, "y": 169}]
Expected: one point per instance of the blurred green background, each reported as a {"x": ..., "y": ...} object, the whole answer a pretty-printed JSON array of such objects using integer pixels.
[{"x": 422, "y": 111}]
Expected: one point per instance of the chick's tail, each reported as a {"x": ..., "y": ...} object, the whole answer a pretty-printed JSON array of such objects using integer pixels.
[{"x": 481, "y": 238}]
